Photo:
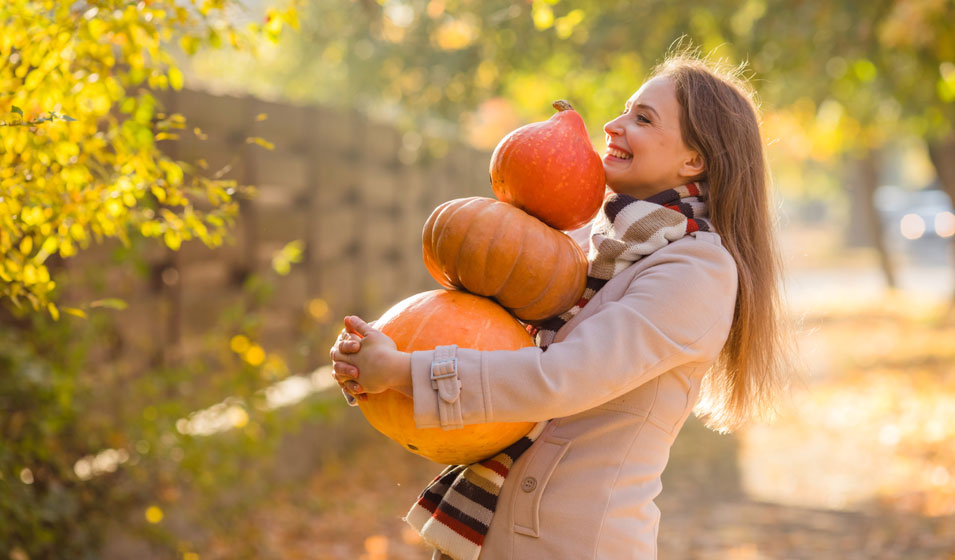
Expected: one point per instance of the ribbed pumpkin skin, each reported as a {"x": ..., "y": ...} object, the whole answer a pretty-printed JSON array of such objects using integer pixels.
[
  {"x": 550, "y": 170},
  {"x": 423, "y": 322},
  {"x": 494, "y": 249}
]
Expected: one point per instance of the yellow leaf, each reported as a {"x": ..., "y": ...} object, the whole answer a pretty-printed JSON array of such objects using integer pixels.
[
  {"x": 543, "y": 15},
  {"x": 29, "y": 274},
  {"x": 49, "y": 246},
  {"x": 159, "y": 193},
  {"x": 26, "y": 246},
  {"x": 75, "y": 312},
  {"x": 189, "y": 44},
  {"x": 254, "y": 355},
  {"x": 261, "y": 142},
  {"x": 175, "y": 78},
  {"x": 114, "y": 207},
  {"x": 173, "y": 173},
  {"x": 54, "y": 312},
  {"x": 239, "y": 343},
  {"x": 172, "y": 240}
]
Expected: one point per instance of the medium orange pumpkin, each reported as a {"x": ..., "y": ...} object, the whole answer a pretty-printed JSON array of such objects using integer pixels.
[
  {"x": 423, "y": 322},
  {"x": 550, "y": 170},
  {"x": 496, "y": 250}
]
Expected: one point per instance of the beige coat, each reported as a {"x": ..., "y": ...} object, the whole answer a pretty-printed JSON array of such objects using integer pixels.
[{"x": 619, "y": 381}]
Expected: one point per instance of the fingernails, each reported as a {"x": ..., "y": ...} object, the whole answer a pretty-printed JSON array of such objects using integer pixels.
[{"x": 353, "y": 387}]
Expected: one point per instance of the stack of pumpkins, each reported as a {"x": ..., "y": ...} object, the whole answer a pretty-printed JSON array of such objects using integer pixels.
[{"x": 503, "y": 262}]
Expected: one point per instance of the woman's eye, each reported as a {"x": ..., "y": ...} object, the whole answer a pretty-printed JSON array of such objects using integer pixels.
[{"x": 643, "y": 119}]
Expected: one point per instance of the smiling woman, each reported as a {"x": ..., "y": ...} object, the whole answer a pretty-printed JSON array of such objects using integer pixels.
[
  {"x": 680, "y": 308},
  {"x": 646, "y": 153}
]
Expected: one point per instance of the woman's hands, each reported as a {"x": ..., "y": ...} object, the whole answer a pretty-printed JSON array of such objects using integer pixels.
[{"x": 361, "y": 350}]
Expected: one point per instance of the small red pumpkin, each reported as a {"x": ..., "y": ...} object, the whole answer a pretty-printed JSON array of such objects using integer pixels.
[
  {"x": 423, "y": 322},
  {"x": 493, "y": 249},
  {"x": 550, "y": 170}
]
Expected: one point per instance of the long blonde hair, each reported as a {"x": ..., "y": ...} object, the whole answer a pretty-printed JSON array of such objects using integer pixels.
[{"x": 719, "y": 119}]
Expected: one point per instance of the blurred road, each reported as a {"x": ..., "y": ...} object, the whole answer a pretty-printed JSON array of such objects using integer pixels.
[{"x": 815, "y": 287}]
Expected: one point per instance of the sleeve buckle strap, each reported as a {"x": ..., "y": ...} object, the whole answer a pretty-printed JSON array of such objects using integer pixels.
[
  {"x": 443, "y": 369},
  {"x": 444, "y": 379}
]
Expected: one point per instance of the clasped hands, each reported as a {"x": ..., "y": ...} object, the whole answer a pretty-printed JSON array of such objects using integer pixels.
[{"x": 365, "y": 360}]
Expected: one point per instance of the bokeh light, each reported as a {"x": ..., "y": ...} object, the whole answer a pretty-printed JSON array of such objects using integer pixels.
[
  {"x": 154, "y": 514},
  {"x": 945, "y": 224},
  {"x": 912, "y": 226}
]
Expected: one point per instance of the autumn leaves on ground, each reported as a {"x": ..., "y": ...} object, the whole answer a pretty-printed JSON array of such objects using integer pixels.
[{"x": 858, "y": 464}]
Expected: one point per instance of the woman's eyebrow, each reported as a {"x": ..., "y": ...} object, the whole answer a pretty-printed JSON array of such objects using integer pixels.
[{"x": 649, "y": 108}]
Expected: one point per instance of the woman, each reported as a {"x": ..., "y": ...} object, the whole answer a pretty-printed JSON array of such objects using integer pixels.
[{"x": 684, "y": 311}]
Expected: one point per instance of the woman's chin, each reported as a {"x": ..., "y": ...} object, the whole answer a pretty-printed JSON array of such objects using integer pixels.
[{"x": 615, "y": 188}]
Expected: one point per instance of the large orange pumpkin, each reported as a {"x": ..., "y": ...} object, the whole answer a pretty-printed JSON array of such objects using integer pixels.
[
  {"x": 494, "y": 249},
  {"x": 423, "y": 322},
  {"x": 550, "y": 170}
]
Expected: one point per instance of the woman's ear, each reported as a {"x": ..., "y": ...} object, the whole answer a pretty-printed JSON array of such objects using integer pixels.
[{"x": 693, "y": 166}]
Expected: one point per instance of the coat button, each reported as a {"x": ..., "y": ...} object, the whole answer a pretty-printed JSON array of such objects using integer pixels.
[{"x": 529, "y": 484}]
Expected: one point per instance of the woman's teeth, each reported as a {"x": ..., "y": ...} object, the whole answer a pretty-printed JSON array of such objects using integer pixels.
[{"x": 619, "y": 153}]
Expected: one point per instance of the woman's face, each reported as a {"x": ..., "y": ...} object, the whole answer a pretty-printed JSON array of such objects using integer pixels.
[{"x": 645, "y": 149}]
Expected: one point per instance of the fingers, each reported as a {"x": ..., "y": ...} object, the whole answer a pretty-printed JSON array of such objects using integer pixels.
[
  {"x": 347, "y": 382},
  {"x": 344, "y": 369},
  {"x": 340, "y": 349},
  {"x": 356, "y": 325},
  {"x": 355, "y": 390}
]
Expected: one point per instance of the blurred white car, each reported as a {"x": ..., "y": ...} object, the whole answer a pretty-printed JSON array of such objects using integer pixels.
[{"x": 914, "y": 215}]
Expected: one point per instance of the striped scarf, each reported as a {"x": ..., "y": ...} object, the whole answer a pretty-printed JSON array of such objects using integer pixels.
[
  {"x": 628, "y": 229},
  {"x": 454, "y": 512}
]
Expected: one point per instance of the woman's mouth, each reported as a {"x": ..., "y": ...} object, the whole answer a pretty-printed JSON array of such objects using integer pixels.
[{"x": 616, "y": 153}]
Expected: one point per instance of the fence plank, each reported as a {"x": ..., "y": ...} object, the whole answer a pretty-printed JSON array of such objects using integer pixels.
[{"x": 344, "y": 185}]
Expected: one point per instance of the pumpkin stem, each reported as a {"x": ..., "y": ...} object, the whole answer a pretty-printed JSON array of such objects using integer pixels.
[{"x": 562, "y": 105}]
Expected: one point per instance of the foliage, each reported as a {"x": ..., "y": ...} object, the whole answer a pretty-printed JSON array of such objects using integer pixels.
[
  {"x": 92, "y": 167},
  {"x": 85, "y": 439},
  {"x": 177, "y": 452},
  {"x": 875, "y": 71}
]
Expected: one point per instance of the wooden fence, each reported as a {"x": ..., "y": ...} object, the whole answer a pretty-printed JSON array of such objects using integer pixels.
[{"x": 354, "y": 191}]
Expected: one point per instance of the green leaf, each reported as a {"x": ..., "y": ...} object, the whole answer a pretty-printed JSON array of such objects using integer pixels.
[
  {"x": 17, "y": 110},
  {"x": 110, "y": 303}
]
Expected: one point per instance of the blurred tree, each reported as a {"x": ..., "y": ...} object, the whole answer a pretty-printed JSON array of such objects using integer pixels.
[
  {"x": 877, "y": 71},
  {"x": 84, "y": 442},
  {"x": 847, "y": 78},
  {"x": 79, "y": 128}
]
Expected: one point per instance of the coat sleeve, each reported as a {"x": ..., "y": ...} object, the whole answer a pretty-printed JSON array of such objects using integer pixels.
[{"x": 676, "y": 311}]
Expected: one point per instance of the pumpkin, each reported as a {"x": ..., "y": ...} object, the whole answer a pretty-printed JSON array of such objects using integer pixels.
[
  {"x": 496, "y": 250},
  {"x": 550, "y": 170},
  {"x": 423, "y": 322}
]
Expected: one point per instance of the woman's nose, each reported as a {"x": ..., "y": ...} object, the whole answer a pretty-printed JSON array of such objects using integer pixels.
[{"x": 612, "y": 128}]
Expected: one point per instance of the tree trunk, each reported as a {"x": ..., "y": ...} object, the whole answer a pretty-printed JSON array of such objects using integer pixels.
[
  {"x": 867, "y": 181},
  {"x": 942, "y": 153}
]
